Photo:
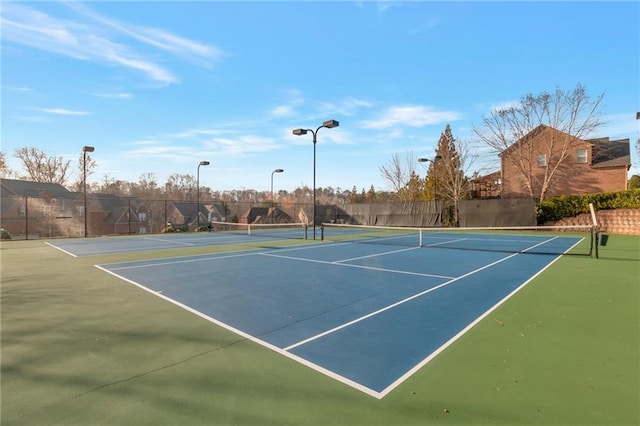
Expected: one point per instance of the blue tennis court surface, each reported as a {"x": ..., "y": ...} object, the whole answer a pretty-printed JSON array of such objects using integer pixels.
[
  {"x": 111, "y": 245},
  {"x": 368, "y": 315}
]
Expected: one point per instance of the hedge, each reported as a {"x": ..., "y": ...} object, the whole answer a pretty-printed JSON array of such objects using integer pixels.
[{"x": 556, "y": 208}]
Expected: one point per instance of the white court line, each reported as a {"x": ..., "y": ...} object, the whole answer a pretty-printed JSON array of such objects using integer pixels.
[
  {"x": 347, "y": 265},
  {"x": 393, "y": 305},
  {"x": 169, "y": 241},
  {"x": 144, "y": 264},
  {"x": 445, "y": 242},
  {"x": 375, "y": 255},
  {"x": 61, "y": 249},
  {"x": 210, "y": 256}
]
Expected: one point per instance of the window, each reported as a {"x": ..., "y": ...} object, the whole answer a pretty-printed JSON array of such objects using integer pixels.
[
  {"x": 581, "y": 156},
  {"x": 142, "y": 217},
  {"x": 542, "y": 160}
]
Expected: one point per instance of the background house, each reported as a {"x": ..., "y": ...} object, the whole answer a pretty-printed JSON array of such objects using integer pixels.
[
  {"x": 487, "y": 186},
  {"x": 188, "y": 214},
  {"x": 35, "y": 209},
  {"x": 577, "y": 166},
  {"x": 113, "y": 215},
  {"x": 48, "y": 210}
]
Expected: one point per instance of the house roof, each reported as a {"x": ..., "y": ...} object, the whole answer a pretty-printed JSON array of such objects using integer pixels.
[
  {"x": 606, "y": 153},
  {"x": 26, "y": 188},
  {"x": 186, "y": 209},
  {"x": 533, "y": 133},
  {"x": 488, "y": 178},
  {"x": 114, "y": 205}
]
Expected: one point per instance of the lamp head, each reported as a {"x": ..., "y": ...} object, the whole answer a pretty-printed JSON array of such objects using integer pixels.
[
  {"x": 299, "y": 132},
  {"x": 329, "y": 124},
  {"x": 88, "y": 149},
  {"x": 278, "y": 170},
  {"x": 204, "y": 163}
]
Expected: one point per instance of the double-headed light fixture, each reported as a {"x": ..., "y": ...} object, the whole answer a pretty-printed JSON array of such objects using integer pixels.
[{"x": 329, "y": 124}]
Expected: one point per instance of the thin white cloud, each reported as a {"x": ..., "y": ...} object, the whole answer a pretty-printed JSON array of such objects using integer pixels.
[
  {"x": 348, "y": 106},
  {"x": 282, "y": 111},
  {"x": 62, "y": 111},
  {"x": 118, "y": 95},
  {"x": 160, "y": 39},
  {"x": 32, "y": 118},
  {"x": 428, "y": 24},
  {"x": 383, "y": 6},
  {"x": 410, "y": 115},
  {"x": 20, "y": 89},
  {"x": 504, "y": 105},
  {"x": 195, "y": 133},
  {"x": 93, "y": 41},
  {"x": 242, "y": 145}
]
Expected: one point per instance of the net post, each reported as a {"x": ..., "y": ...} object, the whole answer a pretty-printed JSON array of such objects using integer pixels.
[
  {"x": 322, "y": 232},
  {"x": 420, "y": 237},
  {"x": 248, "y": 229},
  {"x": 595, "y": 232}
]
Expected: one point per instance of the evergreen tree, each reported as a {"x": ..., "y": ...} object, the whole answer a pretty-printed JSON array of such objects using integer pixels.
[{"x": 449, "y": 180}]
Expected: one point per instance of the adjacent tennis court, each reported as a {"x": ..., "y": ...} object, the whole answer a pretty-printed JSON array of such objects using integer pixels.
[
  {"x": 222, "y": 234},
  {"x": 367, "y": 315}
]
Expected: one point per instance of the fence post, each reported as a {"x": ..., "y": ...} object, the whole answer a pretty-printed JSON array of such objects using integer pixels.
[{"x": 26, "y": 218}]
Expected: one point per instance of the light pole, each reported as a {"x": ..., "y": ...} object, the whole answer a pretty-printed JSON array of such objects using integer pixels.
[
  {"x": 275, "y": 171},
  {"x": 329, "y": 124},
  {"x": 85, "y": 149},
  {"x": 202, "y": 163}
]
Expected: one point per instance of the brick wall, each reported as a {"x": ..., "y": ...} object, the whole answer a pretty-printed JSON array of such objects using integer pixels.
[{"x": 622, "y": 221}]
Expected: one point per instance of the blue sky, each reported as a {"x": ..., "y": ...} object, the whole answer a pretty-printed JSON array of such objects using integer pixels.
[{"x": 157, "y": 87}]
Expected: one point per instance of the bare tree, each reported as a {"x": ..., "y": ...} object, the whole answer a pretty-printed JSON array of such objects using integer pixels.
[
  {"x": 5, "y": 170},
  {"x": 42, "y": 168},
  {"x": 573, "y": 113},
  {"x": 180, "y": 187},
  {"x": 91, "y": 164},
  {"x": 400, "y": 176}
]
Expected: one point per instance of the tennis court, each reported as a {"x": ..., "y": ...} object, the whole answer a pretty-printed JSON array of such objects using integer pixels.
[
  {"x": 370, "y": 330},
  {"x": 367, "y": 315}
]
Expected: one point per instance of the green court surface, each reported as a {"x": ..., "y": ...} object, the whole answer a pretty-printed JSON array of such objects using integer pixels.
[{"x": 82, "y": 347}]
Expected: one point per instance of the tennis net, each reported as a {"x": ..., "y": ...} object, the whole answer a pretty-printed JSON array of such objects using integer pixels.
[
  {"x": 275, "y": 230},
  {"x": 572, "y": 239}
]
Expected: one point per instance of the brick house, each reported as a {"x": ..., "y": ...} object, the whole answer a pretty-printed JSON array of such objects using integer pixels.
[
  {"x": 36, "y": 209},
  {"x": 48, "y": 210},
  {"x": 576, "y": 166},
  {"x": 113, "y": 215},
  {"x": 189, "y": 214}
]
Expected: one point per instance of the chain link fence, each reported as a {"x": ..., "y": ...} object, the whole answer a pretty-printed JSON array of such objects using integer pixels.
[{"x": 106, "y": 215}]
